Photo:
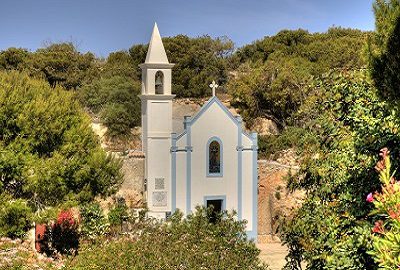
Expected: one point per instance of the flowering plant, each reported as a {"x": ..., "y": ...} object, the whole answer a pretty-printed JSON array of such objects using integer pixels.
[{"x": 386, "y": 231}]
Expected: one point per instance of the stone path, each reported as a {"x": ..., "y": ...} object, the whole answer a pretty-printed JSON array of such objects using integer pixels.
[{"x": 273, "y": 254}]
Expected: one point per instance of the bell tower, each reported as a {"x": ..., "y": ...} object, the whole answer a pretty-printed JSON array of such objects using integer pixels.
[{"x": 156, "y": 101}]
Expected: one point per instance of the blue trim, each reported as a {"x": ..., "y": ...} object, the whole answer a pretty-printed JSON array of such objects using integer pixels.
[
  {"x": 211, "y": 101},
  {"x": 180, "y": 135},
  {"x": 173, "y": 173},
  {"x": 239, "y": 168},
  {"x": 254, "y": 233},
  {"x": 247, "y": 135},
  {"x": 188, "y": 167},
  {"x": 221, "y": 158},
  {"x": 216, "y": 197}
]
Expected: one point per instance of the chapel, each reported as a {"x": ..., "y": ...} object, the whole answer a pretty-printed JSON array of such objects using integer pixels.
[{"x": 213, "y": 161}]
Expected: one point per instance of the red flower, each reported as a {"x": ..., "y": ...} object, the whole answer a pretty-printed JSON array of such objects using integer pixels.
[
  {"x": 378, "y": 228},
  {"x": 66, "y": 217}
]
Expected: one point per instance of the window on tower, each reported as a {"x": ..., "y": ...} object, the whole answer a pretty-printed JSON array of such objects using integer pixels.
[{"x": 159, "y": 83}]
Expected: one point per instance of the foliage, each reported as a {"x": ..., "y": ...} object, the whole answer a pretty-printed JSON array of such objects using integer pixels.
[
  {"x": 116, "y": 99},
  {"x": 63, "y": 235},
  {"x": 330, "y": 230},
  {"x": 198, "y": 61},
  {"x": 386, "y": 240},
  {"x": 62, "y": 64},
  {"x": 291, "y": 137},
  {"x": 274, "y": 73},
  {"x": 118, "y": 213},
  {"x": 385, "y": 59},
  {"x": 48, "y": 152},
  {"x": 93, "y": 221},
  {"x": 15, "y": 217},
  {"x": 182, "y": 243},
  {"x": 14, "y": 59}
]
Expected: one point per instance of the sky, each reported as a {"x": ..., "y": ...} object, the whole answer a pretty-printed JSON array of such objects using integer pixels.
[{"x": 104, "y": 26}]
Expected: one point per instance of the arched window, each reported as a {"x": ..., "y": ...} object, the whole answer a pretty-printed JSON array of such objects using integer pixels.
[
  {"x": 214, "y": 157},
  {"x": 159, "y": 83}
]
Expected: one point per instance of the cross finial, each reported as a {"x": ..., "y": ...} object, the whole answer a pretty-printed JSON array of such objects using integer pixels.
[{"x": 214, "y": 86}]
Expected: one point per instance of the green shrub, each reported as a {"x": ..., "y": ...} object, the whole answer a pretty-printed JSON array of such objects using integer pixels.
[
  {"x": 118, "y": 214},
  {"x": 93, "y": 221},
  {"x": 181, "y": 243},
  {"x": 15, "y": 218},
  {"x": 291, "y": 137}
]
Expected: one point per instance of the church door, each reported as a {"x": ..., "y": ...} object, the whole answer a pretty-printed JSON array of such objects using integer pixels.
[{"x": 216, "y": 209}]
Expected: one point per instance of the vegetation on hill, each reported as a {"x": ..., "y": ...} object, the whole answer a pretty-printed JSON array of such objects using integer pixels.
[{"x": 274, "y": 74}]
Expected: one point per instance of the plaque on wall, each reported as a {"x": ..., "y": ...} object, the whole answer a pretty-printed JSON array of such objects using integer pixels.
[
  {"x": 159, "y": 183},
  {"x": 159, "y": 198}
]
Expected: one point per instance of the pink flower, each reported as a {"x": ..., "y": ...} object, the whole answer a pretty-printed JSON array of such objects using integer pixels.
[{"x": 370, "y": 198}]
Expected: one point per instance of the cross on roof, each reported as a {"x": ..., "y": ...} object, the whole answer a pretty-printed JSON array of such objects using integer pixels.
[{"x": 214, "y": 86}]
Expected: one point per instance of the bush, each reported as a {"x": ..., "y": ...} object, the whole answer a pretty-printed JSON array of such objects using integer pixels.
[
  {"x": 93, "y": 221},
  {"x": 118, "y": 214},
  {"x": 63, "y": 235},
  {"x": 15, "y": 218},
  {"x": 182, "y": 243},
  {"x": 291, "y": 137},
  {"x": 386, "y": 238}
]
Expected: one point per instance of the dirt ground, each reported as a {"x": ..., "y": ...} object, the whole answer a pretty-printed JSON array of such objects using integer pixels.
[{"x": 273, "y": 254}]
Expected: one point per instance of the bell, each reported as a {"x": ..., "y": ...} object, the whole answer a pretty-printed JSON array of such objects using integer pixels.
[{"x": 159, "y": 80}]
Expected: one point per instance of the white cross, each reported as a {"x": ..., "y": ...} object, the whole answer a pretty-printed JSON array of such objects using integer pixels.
[{"x": 214, "y": 86}]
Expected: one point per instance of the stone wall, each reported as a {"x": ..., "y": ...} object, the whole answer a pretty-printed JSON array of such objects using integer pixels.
[
  {"x": 274, "y": 201},
  {"x": 132, "y": 189}
]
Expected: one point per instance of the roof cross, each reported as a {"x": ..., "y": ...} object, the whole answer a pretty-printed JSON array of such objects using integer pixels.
[{"x": 214, "y": 86}]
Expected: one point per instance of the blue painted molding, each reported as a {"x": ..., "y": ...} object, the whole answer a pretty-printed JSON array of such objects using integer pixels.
[
  {"x": 239, "y": 167},
  {"x": 188, "y": 166},
  {"x": 180, "y": 135},
  {"x": 216, "y": 197},
  {"x": 254, "y": 232},
  {"x": 221, "y": 157},
  {"x": 173, "y": 173}
]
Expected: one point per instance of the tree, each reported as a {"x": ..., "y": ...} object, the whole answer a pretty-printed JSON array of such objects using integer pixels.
[
  {"x": 273, "y": 74},
  {"x": 48, "y": 152},
  {"x": 116, "y": 100},
  {"x": 385, "y": 59},
  {"x": 14, "y": 59},
  {"x": 61, "y": 64},
  {"x": 275, "y": 91},
  {"x": 331, "y": 230}
]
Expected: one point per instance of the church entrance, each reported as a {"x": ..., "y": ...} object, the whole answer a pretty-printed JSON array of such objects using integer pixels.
[{"x": 216, "y": 206}]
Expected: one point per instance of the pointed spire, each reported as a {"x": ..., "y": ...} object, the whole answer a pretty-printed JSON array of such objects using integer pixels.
[{"x": 156, "y": 52}]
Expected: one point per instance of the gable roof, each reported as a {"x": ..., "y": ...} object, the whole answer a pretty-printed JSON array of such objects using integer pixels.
[{"x": 207, "y": 105}]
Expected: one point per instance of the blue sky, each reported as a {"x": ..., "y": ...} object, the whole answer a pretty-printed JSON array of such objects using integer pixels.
[{"x": 103, "y": 26}]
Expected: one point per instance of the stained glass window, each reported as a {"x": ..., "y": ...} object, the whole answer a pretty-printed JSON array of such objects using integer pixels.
[{"x": 214, "y": 157}]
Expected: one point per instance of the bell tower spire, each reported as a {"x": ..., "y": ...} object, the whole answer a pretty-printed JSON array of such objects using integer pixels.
[
  {"x": 156, "y": 52},
  {"x": 156, "y": 101}
]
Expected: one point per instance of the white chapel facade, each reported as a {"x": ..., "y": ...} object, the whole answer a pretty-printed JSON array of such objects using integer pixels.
[{"x": 212, "y": 162}]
